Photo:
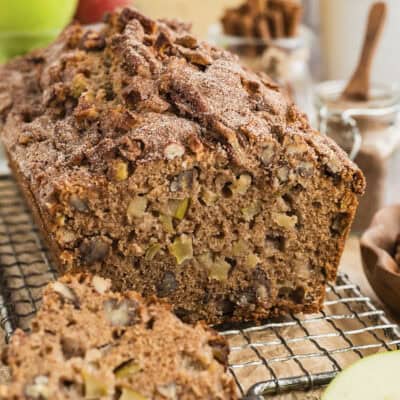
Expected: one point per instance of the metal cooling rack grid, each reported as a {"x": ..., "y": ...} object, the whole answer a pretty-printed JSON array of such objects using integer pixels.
[
  {"x": 299, "y": 352},
  {"x": 24, "y": 266},
  {"x": 305, "y": 352}
]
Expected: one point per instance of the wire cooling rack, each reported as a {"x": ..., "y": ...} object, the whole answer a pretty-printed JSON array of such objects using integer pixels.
[{"x": 298, "y": 352}]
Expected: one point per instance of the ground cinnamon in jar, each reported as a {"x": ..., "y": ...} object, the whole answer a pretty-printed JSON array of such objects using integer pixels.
[{"x": 369, "y": 132}]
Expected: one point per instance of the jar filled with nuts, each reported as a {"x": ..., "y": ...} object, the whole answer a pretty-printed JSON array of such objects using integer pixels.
[
  {"x": 268, "y": 37},
  {"x": 369, "y": 131}
]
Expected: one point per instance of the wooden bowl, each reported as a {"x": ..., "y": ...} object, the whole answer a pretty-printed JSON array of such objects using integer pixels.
[{"x": 377, "y": 248}]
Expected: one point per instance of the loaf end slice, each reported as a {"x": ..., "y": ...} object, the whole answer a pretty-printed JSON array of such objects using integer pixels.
[
  {"x": 88, "y": 342},
  {"x": 156, "y": 160}
]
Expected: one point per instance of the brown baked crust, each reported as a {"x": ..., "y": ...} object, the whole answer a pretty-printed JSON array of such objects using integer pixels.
[
  {"x": 135, "y": 141},
  {"x": 51, "y": 244},
  {"x": 84, "y": 335}
]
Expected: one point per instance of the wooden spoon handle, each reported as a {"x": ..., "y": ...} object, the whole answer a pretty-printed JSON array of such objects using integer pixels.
[
  {"x": 359, "y": 85},
  {"x": 376, "y": 23}
]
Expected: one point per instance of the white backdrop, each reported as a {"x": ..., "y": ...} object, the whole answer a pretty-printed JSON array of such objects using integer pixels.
[{"x": 342, "y": 24}]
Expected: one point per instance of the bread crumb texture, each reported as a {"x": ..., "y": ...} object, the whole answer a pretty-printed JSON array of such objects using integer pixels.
[{"x": 88, "y": 342}]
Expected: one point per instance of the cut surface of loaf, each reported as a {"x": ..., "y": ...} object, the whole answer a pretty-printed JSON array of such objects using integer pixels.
[
  {"x": 90, "y": 343},
  {"x": 156, "y": 160}
]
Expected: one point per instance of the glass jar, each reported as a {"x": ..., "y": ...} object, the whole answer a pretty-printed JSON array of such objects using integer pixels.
[
  {"x": 286, "y": 60},
  {"x": 370, "y": 134}
]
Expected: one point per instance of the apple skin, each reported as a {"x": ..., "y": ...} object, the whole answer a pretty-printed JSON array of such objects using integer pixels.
[
  {"x": 35, "y": 15},
  {"x": 29, "y": 24},
  {"x": 91, "y": 11},
  {"x": 18, "y": 44}
]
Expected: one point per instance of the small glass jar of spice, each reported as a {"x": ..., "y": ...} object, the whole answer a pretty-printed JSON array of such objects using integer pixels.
[
  {"x": 369, "y": 131},
  {"x": 267, "y": 37}
]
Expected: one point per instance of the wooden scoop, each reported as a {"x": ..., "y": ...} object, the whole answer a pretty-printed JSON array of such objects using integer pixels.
[{"x": 359, "y": 86}]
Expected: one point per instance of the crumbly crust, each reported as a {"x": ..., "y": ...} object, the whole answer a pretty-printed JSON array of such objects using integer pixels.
[
  {"x": 98, "y": 92},
  {"x": 158, "y": 161},
  {"x": 88, "y": 342}
]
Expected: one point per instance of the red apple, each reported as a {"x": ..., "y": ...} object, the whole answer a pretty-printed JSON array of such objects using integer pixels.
[{"x": 91, "y": 11}]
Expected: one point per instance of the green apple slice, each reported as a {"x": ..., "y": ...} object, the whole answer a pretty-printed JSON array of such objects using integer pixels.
[{"x": 373, "y": 378}]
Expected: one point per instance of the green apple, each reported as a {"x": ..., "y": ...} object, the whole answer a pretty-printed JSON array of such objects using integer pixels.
[
  {"x": 27, "y": 24},
  {"x": 35, "y": 15},
  {"x": 372, "y": 378}
]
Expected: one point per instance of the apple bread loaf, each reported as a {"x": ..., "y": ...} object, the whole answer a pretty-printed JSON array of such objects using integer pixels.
[
  {"x": 90, "y": 343},
  {"x": 157, "y": 161}
]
